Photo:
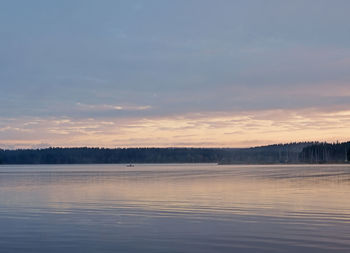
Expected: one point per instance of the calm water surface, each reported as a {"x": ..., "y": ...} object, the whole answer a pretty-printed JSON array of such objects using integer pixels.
[{"x": 174, "y": 208}]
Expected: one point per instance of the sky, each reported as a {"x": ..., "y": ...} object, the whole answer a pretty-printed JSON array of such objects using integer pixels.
[{"x": 164, "y": 73}]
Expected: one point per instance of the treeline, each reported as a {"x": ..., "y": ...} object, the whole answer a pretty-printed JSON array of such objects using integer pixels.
[
  {"x": 277, "y": 153},
  {"x": 326, "y": 153},
  {"x": 104, "y": 155},
  {"x": 304, "y": 152}
]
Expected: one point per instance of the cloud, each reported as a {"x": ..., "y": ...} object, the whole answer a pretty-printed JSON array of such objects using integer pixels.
[
  {"x": 238, "y": 129},
  {"x": 104, "y": 107},
  {"x": 160, "y": 72}
]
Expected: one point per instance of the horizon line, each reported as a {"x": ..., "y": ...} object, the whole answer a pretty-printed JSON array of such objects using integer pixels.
[{"x": 172, "y": 147}]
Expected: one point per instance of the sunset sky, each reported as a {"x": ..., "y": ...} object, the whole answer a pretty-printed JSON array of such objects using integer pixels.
[{"x": 165, "y": 73}]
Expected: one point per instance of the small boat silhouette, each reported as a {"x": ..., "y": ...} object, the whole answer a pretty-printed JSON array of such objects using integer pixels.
[{"x": 130, "y": 165}]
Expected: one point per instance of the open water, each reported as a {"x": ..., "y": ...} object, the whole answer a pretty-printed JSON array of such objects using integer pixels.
[{"x": 174, "y": 208}]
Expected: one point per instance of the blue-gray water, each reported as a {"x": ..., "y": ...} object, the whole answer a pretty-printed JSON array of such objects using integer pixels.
[{"x": 174, "y": 208}]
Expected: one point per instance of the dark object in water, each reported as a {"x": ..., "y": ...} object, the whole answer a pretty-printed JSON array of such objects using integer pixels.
[{"x": 130, "y": 165}]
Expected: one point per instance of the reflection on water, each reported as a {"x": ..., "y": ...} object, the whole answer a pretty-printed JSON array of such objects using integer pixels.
[{"x": 174, "y": 208}]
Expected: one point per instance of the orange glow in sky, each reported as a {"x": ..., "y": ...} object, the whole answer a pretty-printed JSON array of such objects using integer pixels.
[{"x": 242, "y": 129}]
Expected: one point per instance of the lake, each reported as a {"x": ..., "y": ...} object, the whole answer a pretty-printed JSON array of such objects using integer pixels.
[{"x": 174, "y": 208}]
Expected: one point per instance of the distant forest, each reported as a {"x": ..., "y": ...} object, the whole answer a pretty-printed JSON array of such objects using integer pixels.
[{"x": 303, "y": 152}]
